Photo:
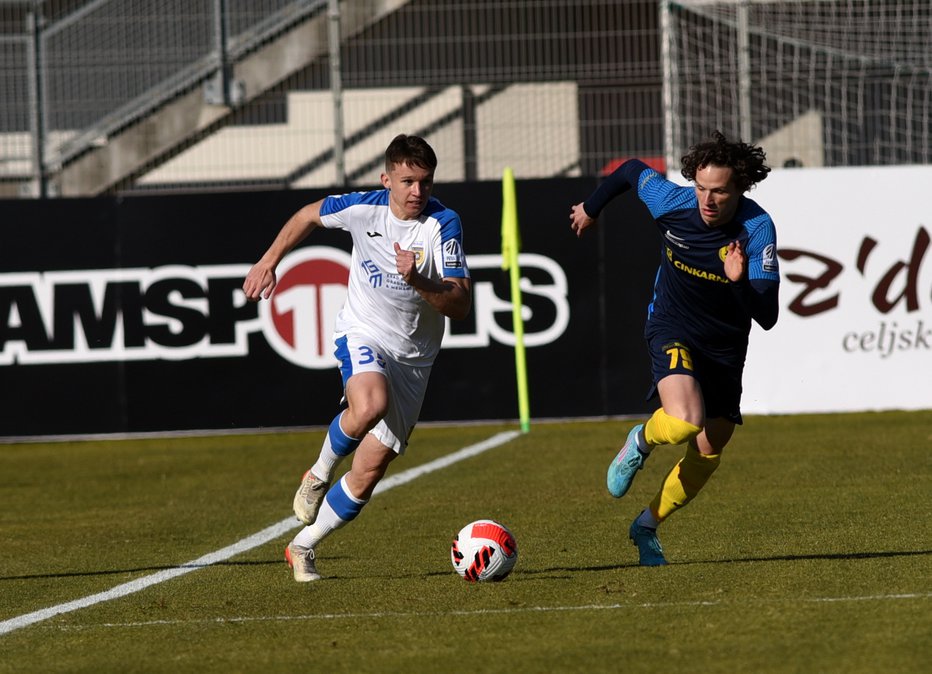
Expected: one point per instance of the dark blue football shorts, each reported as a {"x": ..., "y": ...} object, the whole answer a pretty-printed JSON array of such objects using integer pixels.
[{"x": 719, "y": 378}]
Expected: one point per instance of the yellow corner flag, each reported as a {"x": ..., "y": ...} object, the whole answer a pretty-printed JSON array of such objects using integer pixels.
[
  {"x": 511, "y": 244},
  {"x": 511, "y": 239}
]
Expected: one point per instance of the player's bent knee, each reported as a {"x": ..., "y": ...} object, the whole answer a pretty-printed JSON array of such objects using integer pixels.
[
  {"x": 370, "y": 415},
  {"x": 662, "y": 429},
  {"x": 367, "y": 412}
]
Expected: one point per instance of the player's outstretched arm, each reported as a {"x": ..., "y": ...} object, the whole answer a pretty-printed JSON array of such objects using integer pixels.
[
  {"x": 261, "y": 279},
  {"x": 583, "y": 215},
  {"x": 579, "y": 219}
]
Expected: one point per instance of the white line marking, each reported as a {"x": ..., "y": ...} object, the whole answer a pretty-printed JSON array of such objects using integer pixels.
[
  {"x": 248, "y": 543},
  {"x": 476, "y": 612}
]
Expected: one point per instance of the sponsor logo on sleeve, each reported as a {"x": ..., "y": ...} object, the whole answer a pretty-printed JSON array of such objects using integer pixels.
[
  {"x": 770, "y": 258},
  {"x": 452, "y": 255}
]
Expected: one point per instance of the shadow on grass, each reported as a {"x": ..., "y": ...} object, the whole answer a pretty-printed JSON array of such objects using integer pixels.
[
  {"x": 823, "y": 555},
  {"x": 524, "y": 570},
  {"x": 147, "y": 569},
  {"x": 740, "y": 560}
]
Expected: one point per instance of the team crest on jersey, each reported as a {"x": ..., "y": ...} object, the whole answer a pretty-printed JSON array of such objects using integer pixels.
[
  {"x": 723, "y": 253},
  {"x": 452, "y": 255},
  {"x": 418, "y": 250}
]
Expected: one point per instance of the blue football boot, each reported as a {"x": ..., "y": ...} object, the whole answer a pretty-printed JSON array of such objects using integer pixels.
[
  {"x": 649, "y": 549},
  {"x": 628, "y": 462}
]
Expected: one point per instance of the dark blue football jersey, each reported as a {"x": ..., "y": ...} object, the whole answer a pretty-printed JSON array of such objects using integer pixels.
[{"x": 692, "y": 296}]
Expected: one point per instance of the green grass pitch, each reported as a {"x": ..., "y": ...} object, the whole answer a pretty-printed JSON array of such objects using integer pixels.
[{"x": 809, "y": 551}]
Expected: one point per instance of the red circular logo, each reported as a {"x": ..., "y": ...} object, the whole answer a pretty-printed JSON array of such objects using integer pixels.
[{"x": 298, "y": 319}]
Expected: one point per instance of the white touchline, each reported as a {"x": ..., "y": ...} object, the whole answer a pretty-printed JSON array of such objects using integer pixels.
[
  {"x": 377, "y": 615},
  {"x": 248, "y": 543}
]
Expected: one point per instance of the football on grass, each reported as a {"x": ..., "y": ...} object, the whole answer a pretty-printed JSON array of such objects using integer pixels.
[{"x": 484, "y": 550}]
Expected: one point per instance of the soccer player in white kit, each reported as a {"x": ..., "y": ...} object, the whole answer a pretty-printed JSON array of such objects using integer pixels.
[{"x": 408, "y": 273}]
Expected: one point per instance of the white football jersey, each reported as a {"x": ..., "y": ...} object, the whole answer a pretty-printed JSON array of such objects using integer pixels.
[{"x": 379, "y": 303}]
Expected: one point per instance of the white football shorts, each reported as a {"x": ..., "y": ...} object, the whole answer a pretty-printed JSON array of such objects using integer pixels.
[{"x": 407, "y": 386}]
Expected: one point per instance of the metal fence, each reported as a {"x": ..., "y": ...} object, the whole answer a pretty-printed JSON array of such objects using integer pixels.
[
  {"x": 127, "y": 95},
  {"x": 816, "y": 82}
]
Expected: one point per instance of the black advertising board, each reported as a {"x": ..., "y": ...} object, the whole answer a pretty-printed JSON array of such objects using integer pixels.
[{"x": 126, "y": 314}]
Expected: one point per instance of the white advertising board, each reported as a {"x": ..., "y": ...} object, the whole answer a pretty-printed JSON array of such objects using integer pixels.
[{"x": 855, "y": 327}]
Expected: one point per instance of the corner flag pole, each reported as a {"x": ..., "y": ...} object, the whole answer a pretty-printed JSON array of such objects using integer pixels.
[{"x": 511, "y": 243}]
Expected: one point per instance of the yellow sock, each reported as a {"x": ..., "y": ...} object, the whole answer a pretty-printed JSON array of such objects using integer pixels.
[
  {"x": 682, "y": 483},
  {"x": 662, "y": 429}
]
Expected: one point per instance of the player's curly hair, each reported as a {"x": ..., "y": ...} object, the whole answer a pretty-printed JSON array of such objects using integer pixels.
[
  {"x": 411, "y": 150},
  {"x": 747, "y": 162}
]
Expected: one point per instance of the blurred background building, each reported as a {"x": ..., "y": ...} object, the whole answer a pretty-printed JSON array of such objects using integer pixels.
[{"x": 125, "y": 96}]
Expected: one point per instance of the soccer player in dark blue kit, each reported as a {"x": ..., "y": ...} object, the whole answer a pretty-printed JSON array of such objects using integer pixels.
[{"x": 718, "y": 272}]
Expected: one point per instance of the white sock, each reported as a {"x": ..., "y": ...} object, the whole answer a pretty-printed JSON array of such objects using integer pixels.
[
  {"x": 643, "y": 447},
  {"x": 327, "y": 462},
  {"x": 336, "y": 446},
  {"x": 326, "y": 523},
  {"x": 328, "y": 520}
]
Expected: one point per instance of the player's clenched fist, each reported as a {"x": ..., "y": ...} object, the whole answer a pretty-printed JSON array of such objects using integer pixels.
[
  {"x": 404, "y": 262},
  {"x": 736, "y": 262}
]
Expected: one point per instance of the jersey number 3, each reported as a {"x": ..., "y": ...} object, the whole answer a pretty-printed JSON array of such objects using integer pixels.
[{"x": 367, "y": 355}]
